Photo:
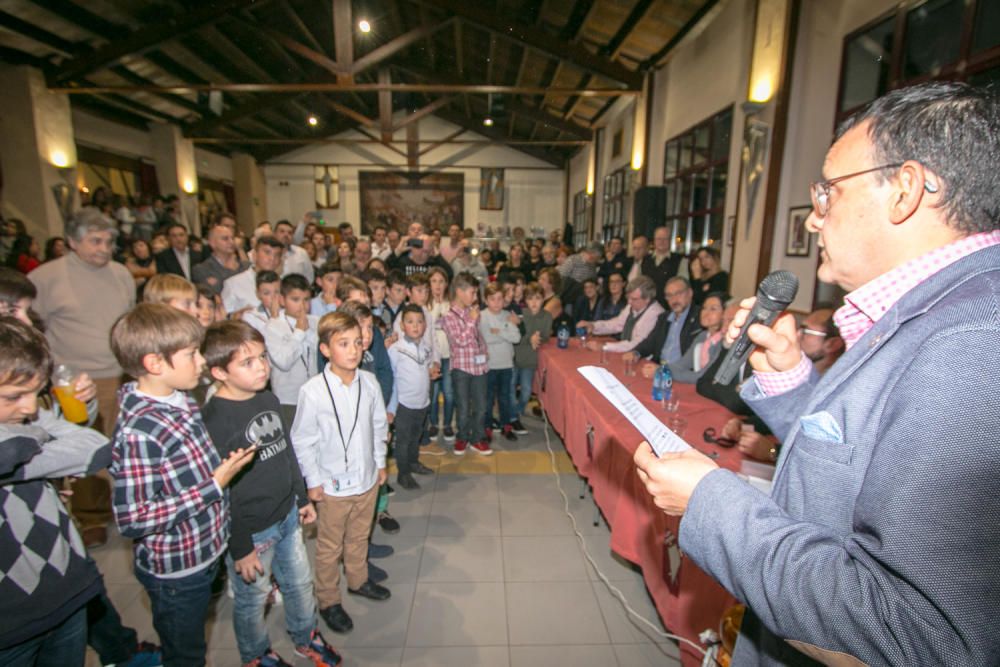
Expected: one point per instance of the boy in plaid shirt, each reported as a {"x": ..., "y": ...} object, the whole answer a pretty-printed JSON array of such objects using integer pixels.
[{"x": 169, "y": 482}]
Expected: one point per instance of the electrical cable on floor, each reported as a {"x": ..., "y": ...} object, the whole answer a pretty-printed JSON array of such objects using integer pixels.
[{"x": 586, "y": 553}]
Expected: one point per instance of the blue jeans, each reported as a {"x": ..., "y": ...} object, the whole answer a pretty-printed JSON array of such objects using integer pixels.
[
  {"x": 443, "y": 386},
  {"x": 179, "y": 610},
  {"x": 63, "y": 646},
  {"x": 113, "y": 642},
  {"x": 498, "y": 388},
  {"x": 282, "y": 552},
  {"x": 470, "y": 403},
  {"x": 523, "y": 377}
]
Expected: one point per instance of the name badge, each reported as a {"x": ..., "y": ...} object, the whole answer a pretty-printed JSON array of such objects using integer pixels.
[
  {"x": 480, "y": 358},
  {"x": 345, "y": 482}
]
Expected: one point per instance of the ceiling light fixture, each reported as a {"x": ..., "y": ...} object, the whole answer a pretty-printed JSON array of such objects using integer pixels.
[
  {"x": 313, "y": 121},
  {"x": 364, "y": 26},
  {"x": 488, "y": 122}
]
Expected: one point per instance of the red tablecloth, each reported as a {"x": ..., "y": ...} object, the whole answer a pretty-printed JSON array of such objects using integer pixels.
[{"x": 601, "y": 443}]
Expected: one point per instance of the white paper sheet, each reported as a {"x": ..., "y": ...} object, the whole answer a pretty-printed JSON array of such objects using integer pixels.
[{"x": 660, "y": 438}]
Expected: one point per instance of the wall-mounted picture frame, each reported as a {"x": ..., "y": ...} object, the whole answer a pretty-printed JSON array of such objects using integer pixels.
[
  {"x": 799, "y": 242},
  {"x": 491, "y": 186}
]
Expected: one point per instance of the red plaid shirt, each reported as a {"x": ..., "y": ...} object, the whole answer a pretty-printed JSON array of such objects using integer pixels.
[
  {"x": 464, "y": 341},
  {"x": 866, "y": 305}
]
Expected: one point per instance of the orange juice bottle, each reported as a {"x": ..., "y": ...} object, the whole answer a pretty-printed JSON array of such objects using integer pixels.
[{"x": 74, "y": 410}]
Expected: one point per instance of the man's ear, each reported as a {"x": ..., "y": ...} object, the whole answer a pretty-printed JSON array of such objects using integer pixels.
[
  {"x": 153, "y": 363},
  {"x": 908, "y": 190}
]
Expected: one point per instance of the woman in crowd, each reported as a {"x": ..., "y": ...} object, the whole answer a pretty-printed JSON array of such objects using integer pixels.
[
  {"x": 376, "y": 264},
  {"x": 345, "y": 253},
  {"x": 706, "y": 346},
  {"x": 140, "y": 263},
  {"x": 613, "y": 300},
  {"x": 562, "y": 254},
  {"x": 707, "y": 275},
  {"x": 516, "y": 262},
  {"x": 55, "y": 248},
  {"x": 551, "y": 282},
  {"x": 24, "y": 254}
]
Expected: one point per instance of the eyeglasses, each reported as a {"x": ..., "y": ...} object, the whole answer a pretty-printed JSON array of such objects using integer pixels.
[{"x": 820, "y": 191}]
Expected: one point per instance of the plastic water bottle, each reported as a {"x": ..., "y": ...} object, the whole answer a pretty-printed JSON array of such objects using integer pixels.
[
  {"x": 663, "y": 383},
  {"x": 562, "y": 336}
]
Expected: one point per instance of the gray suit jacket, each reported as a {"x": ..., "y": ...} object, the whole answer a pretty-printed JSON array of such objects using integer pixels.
[{"x": 881, "y": 539}]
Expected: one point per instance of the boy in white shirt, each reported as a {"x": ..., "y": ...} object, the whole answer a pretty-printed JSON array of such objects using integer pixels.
[
  {"x": 268, "y": 291},
  {"x": 414, "y": 368},
  {"x": 291, "y": 340},
  {"x": 339, "y": 436}
]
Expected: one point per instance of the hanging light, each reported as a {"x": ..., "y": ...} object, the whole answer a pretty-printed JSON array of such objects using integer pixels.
[
  {"x": 364, "y": 26},
  {"x": 313, "y": 121},
  {"x": 488, "y": 122}
]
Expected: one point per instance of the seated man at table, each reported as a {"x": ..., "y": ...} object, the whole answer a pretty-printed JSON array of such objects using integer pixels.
[
  {"x": 635, "y": 323},
  {"x": 676, "y": 330}
]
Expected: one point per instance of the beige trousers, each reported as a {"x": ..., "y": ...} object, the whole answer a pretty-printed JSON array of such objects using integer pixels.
[
  {"x": 91, "y": 500},
  {"x": 343, "y": 527}
]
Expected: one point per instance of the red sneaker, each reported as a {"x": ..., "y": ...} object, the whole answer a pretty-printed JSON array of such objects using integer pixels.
[
  {"x": 482, "y": 448},
  {"x": 460, "y": 446}
]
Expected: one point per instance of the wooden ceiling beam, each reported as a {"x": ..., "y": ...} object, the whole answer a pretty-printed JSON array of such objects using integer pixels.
[
  {"x": 234, "y": 114},
  {"x": 296, "y": 22},
  {"x": 377, "y": 55},
  {"x": 385, "y": 105},
  {"x": 343, "y": 39},
  {"x": 426, "y": 110},
  {"x": 654, "y": 60},
  {"x": 177, "y": 100},
  {"x": 37, "y": 34},
  {"x": 497, "y": 135},
  {"x": 538, "y": 39},
  {"x": 637, "y": 14},
  {"x": 146, "y": 39},
  {"x": 324, "y": 87}
]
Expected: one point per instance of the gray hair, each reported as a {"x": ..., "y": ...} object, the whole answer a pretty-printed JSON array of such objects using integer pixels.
[
  {"x": 645, "y": 285},
  {"x": 89, "y": 219}
]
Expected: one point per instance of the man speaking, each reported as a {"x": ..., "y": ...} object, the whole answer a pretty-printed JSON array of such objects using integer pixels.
[{"x": 880, "y": 541}]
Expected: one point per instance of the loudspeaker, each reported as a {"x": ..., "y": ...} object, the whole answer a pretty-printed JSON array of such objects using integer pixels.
[{"x": 649, "y": 210}]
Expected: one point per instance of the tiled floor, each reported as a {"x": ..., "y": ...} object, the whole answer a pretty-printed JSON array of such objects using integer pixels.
[{"x": 487, "y": 571}]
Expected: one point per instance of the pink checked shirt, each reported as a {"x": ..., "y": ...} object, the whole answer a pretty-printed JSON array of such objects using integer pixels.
[{"x": 866, "y": 305}]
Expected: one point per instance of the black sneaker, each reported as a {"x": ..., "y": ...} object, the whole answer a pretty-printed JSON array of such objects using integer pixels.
[
  {"x": 432, "y": 432},
  {"x": 419, "y": 468},
  {"x": 336, "y": 618},
  {"x": 380, "y": 550},
  {"x": 508, "y": 432},
  {"x": 406, "y": 481},
  {"x": 519, "y": 427},
  {"x": 376, "y": 574},
  {"x": 372, "y": 591},
  {"x": 449, "y": 434},
  {"x": 387, "y": 523}
]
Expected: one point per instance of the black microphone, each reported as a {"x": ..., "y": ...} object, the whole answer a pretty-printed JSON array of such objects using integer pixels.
[{"x": 775, "y": 292}]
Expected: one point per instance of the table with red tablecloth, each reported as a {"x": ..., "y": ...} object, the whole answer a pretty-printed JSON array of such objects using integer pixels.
[{"x": 601, "y": 443}]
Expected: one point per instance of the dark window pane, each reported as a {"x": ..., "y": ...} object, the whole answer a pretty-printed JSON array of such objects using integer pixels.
[
  {"x": 718, "y": 198},
  {"x": 699, "y": 190},
  {"x": 670, "y": 160},
  {"x": 987, "y": 31},
  {"x": 684, "y": 204},
  {"x": 701, "y": 135},
  {"x": 698, "y": 229},
  {"x": 933, "y": 33},
  {"x": 866, "y": 69},
  {"x": 671, "y": 197},
  {"x": 721, "y": 133},
  {"x": 687, "y": 146},
  {"x": 715, "y": 229}
]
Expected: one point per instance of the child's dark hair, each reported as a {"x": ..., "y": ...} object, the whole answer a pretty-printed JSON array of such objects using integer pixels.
[
  {"x": 24, "y": 352},
  {"x": 411, "y": 308},
  {"x": 294, "y": 281},
  {"x": 462, "y": 281},
  {"x": 152, "y": 328},
  {"x": 372, "y": 275},
  {"x": 224, "y": 339},
  {"x": 417, "y": 280},
  {"x": 331, "y": 266},
  {"x": 205, "y": 291},
  {"x": 270, "y": 241},
  {"x": 265, "y": 277},
  {"x": 395, "y": 277},
  {"x": 15, "y": 286}
]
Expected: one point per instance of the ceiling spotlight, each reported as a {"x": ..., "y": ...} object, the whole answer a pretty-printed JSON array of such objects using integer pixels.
[
  {"x": 364, "y": 26},
  {"x": 488, "y": 122},
  {"x": 313, "y": 121}
]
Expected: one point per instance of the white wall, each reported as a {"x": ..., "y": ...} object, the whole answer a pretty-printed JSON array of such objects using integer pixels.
[
  {"x": 813, "y": 102},
  {"x": 534, "y": 189}
]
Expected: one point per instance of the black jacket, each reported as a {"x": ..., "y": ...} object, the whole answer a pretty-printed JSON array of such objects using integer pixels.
[
  {"x": 667, "y": 269},
  {"x": 167, "y": 262},
  {"x": 653, "y": 344}
]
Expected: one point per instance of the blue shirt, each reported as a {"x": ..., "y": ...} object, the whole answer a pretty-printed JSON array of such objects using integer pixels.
[
  {"x": 319, "y": 307},
  {"x": 671, "y": 352}
]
